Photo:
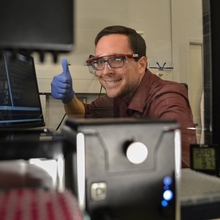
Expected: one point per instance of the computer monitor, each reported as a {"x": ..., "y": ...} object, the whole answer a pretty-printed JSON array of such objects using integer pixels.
[{"x": 20, "y": 105}]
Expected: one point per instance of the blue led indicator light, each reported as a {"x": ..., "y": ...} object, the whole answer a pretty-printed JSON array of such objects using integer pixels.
[
  {"x": 168, "y": 195},
  {"x": 167, "y": 180},
  {"x": 166, "y": 187},
  {"x": 164, "y": 203}
]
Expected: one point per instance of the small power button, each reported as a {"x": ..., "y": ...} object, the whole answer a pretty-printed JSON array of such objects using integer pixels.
[
  {"x": 137, "y": 152},
  {"x": 98, "y": 191}
]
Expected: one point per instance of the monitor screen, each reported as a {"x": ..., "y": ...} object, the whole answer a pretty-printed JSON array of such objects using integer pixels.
[{"x": 20, "y": 104}]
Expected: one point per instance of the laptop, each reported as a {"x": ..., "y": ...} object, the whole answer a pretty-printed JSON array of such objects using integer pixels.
[{"x": 20, "y": 105}]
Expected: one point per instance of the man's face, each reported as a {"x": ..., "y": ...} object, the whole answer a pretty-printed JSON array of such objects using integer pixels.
[{"x": 118, "y": 84}]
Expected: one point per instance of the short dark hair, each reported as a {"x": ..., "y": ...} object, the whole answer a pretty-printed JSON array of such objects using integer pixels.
[{"x": 136, "y": 41}]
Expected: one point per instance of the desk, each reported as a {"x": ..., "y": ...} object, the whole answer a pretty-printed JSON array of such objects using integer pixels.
[{"x": 199, "y": 195}]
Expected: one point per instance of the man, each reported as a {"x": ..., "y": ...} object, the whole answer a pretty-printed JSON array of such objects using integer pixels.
[{"x": 120, "y": 65}]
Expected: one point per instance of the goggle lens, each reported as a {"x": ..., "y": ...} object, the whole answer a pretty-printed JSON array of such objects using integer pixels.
[
  {"x": 119, "y": 62},
  {"x": 114, "y": 62}
]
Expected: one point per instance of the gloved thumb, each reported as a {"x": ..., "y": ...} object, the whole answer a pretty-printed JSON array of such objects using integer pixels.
[{"x": 65, "y": 66}]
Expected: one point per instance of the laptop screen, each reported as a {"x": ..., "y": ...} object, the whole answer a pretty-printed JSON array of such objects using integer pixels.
[{"x": 19, "y": 97}]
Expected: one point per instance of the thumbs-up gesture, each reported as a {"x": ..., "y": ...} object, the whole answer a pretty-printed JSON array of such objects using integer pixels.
[{"x": 61, "y": 86}]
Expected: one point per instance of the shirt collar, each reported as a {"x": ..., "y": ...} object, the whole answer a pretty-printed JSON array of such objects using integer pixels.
[{"x": 138, "y": 100}]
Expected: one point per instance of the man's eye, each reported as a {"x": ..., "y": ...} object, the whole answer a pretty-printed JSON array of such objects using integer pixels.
[
  {"x": 99, "y": 61},
  {"x": 118, "y": 59}
]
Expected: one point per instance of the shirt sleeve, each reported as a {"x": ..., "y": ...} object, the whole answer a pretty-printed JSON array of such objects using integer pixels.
[{"x": 102, "y": 107}]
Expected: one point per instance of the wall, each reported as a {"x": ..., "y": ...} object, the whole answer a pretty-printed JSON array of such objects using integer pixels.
[
  {"x": 167, "y": 26},
  {"x": 187, "y": 30},
  {"x": 186, "y": 27},
  {"x": 150, "y": 16}
]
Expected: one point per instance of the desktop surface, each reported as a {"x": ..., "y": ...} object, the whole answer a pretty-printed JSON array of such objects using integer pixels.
[{"x": 199, "y": 195}]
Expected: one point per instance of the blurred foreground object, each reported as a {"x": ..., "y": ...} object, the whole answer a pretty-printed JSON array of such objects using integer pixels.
[
  {"x": 42, "y": 26},
  {"x": 38, "y": 204},
  {"x": 125, "y": 168}
]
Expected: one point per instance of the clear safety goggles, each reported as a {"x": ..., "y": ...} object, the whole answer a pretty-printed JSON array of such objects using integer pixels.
[{"x": 117, "y": 61}]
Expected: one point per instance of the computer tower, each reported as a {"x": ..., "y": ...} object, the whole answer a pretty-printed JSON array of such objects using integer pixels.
[{"x": 110, "y": 184}]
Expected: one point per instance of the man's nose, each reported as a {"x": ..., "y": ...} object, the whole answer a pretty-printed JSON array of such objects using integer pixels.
[{"x": 107, "y": 68}]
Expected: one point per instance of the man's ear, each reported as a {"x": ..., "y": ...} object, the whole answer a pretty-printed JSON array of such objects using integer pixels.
[{"x": 142, "y": 64}]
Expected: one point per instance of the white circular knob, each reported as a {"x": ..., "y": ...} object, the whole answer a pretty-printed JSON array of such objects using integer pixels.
[{"x": 137, "y": 152}]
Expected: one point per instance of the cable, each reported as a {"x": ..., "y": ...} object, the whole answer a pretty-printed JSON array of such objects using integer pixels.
[
  {"x": 100, "y": 91},
  {"x": 65, "y": 113},
  {"x": 61, "y": 122}
]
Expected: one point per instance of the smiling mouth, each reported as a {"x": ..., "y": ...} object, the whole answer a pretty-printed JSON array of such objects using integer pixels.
[{"x": 112, "y": 81}]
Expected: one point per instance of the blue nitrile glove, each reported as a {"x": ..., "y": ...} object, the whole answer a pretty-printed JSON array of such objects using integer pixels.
[{"x": 61, "y": 86}]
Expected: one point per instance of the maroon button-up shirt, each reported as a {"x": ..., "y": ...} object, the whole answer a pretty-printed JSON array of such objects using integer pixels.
[{"x": 154, "y": 98}]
